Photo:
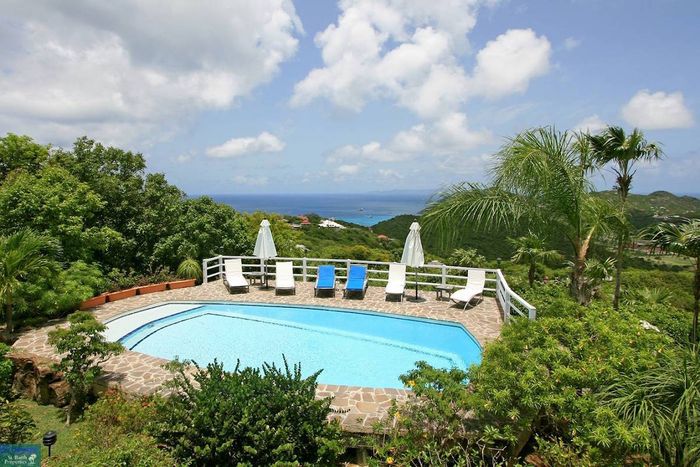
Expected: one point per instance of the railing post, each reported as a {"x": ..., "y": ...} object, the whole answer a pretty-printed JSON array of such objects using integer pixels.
[
  {"x": 221, "y": 267},
  {"x": 532, "y": 313},
  {"x": 444, "y": 274},
  {"x": 205, "y": 271},
  {"x": 347, "y": 268},
  {"x": 303, "y": 269}
]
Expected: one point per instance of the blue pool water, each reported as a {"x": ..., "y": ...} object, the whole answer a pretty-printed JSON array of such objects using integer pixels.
[{"x": 352, "y": 348}]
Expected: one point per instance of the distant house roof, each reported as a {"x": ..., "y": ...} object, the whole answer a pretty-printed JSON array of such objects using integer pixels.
[
  {"x": 382, "y": 237},
  {"x": 327, "y": 223},
  {"x": 304, "y": 220}
]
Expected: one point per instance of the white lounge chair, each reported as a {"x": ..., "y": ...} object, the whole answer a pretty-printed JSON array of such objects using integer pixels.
[
  {"x": 397, "y": 280},
  {"x": 284, "y": 277},
  {"x": 233, "y": 275},
  {"x": 476, "y": 279}
]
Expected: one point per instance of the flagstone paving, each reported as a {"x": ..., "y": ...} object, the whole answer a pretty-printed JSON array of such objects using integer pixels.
[{"x": 357, "y": 408}]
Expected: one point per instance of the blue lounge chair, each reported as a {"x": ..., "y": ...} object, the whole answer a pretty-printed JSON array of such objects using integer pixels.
[
  {"x": 357, "y": 280},
  {"x": 325, "y": 280}
]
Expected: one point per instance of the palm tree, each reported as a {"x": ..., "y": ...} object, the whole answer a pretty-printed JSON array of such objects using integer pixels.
[
  {"x": 682, "y": 239},
  {"x": 623, "y": 151},
  {"x": 540, "y": 178},
  {"x": 665, "y": 401},
  {"x": 22, "y": 255},
  {"x": 531, "y": 249}
]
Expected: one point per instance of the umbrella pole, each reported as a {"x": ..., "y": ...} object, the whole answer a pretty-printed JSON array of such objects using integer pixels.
[{"x": 415, "y": 270}]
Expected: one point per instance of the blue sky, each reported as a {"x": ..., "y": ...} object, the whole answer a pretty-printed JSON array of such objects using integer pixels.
[{"x": 276, "y": 96}]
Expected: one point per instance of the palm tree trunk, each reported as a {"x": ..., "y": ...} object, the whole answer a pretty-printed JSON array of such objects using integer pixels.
[
  {"x": 577, "y": 281},
  {"x": 696, "y": 306},
  {"x": 618, "y": 271}
]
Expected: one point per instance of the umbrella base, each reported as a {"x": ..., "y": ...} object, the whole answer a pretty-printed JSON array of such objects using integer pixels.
[{"x": 416, "y": 299}]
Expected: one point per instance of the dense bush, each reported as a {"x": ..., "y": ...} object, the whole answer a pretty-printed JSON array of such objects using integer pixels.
[
  {"x": 6, "y": 368},
  {"x": 83, "y": 348},
  {"x": 114, "y": 431},
  {"x": 247, "y": 417},
  {"x": 16, "y": 424},
  {"x": 538, "y": 385}
]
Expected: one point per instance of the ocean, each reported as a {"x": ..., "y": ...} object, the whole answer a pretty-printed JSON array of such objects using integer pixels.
[{"x": 364, "y": 209}]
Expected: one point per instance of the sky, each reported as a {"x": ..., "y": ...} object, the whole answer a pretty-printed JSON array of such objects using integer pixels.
[{"x": 317, "y": 96}]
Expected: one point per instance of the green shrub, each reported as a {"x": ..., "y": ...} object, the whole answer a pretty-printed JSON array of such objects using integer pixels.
[
  {"x": 542, "y": 380},
  {"x": 190, "y": 269},
  {"x": 16, "y": 424},
  {"x": 114, "y": 431},
  {"x": 466, "y": 257},
  {"x": 83, "y": 348},
  {"x": 6, "y": 368},
  {"x": 247, "y": 417}
]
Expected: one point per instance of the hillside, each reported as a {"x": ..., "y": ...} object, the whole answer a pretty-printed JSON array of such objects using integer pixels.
[
  {"x": 649, "y": 209},
  {"x": 644, "y": 210}
]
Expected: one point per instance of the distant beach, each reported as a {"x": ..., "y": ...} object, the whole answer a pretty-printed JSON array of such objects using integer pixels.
[{"x": 364, "y": 209}]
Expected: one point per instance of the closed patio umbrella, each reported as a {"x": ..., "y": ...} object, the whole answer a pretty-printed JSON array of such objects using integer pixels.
[
  {"x": 413, "y": 251},
  {"x": 265, "y": 245}
]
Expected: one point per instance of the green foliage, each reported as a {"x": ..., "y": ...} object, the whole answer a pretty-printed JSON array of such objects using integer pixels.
[
  {"x": 203, "y": 228},
  {"x": 663, "y": 402},
  {"x": 190, "y": 269},
  {"x": 356, "y": 252},
  {"x": 54, "y": 203},
  {"x": 542, "y": 380},
  {"x": 6, "y": 369},
  {"x": 466, "y": 258},
  {"x": 531, "y": 249},
  {"x": 83, "y": 349},
  {"x": 16, "y": 424},
  {"x": 20, "y": 153},
  {"x": 23, "y": 254},
  {"x": 247, "y": 417},
  {"x": 114, "y": 431},
  {"x": 433, "y": 429}
]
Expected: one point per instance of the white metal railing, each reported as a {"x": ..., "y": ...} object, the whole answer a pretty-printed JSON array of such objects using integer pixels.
[{"x": 378, "y": 271}]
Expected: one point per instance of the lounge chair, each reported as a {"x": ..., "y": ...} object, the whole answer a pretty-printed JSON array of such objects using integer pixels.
[
  {"x": 284, "y": 277},
  {"x": 325, "y": 280},
  {"x": 397, "y": 280},
  {"x": 476, "y": 279},
  {"x": 233, "y": 276},
  {"x": 357, "y": 280}
]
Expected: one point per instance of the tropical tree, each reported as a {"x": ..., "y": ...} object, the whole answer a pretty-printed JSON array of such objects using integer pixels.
[
  {"x": 22, "y": 255},
  {"x": 682, "y": 239},
  {"x": 84, "y": 349},
  {"x": 540, "y": 179},
  {"x": 532, "y": 250},
  {"x": 665, "y": 402},
  {"x": 623, "y": 151}
]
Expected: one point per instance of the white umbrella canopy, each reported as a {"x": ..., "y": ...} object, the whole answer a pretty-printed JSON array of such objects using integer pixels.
[
  {"x": 413, "y": 251},
  {"x": 265, "y": 245}
]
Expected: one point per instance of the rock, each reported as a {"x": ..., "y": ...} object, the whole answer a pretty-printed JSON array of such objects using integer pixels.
[{"x": 35, "y": 379}]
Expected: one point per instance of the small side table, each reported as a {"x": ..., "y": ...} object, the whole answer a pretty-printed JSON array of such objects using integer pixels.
[
  {"x": 440, "y": 289},
  {"x": 256, "y": 276}
]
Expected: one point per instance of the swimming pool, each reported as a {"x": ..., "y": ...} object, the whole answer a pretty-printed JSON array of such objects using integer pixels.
[{"x": 355, "y": 348}]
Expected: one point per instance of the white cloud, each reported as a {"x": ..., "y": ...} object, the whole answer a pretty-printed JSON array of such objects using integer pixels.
[
  {"x": 134, "y": 70},
  {"x": 657, "y": 111},
  {"x": 591, "y": 124},
  {"x": 235, "y": 147},
  {"x": 347, "y": 169},
  {"x": 250, "y": 181},
  {"x": 390, "y": 174},
  {"x": 570, "y": 43},
  {"x": 446, "y": 136},
  {"x": 409, "y": 51},
  {"x": 507, "y": 64}
]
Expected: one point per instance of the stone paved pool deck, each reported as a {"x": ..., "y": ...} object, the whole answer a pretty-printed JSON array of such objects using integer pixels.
[{"x": 361, "y": 407}]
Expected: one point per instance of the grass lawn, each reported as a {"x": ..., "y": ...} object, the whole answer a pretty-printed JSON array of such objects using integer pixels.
[{"x": 49, "y": 418}]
